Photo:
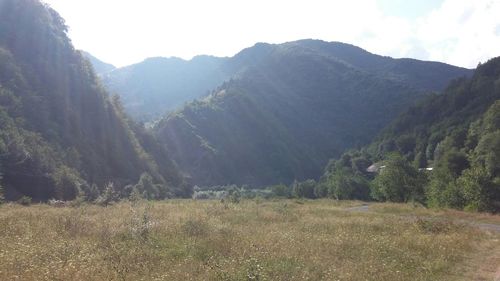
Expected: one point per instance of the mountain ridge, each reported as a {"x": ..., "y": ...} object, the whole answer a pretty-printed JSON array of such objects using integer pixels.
[{"x": 309, "y": 96}]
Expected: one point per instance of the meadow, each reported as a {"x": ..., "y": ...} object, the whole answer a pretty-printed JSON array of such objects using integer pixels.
[{"x": 252, "y": 240}]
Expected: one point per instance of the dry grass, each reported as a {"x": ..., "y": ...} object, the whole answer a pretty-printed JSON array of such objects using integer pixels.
[
  {"x": 419, "y": 210},
  {"x": 208, "y": 240}
]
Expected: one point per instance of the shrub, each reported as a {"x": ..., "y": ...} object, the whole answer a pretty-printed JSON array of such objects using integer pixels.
[
  {"x": 304, "y": 189},
  {"x": 108, "y": 196},
  {"x": 25, "y": 201},
  {"x": 280, "y": 190}
]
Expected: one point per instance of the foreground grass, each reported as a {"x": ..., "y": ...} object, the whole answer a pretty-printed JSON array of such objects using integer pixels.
[{"x": 253, "y": 240}]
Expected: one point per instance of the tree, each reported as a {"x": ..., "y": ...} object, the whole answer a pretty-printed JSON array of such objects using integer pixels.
[
  {"x": 303, "y": 189},
  {"x": 108, "y": 196},
  {"x": 443, "y": 190},
  {"x": 344, "y": 184},
  {"x": 479, "y": 191},
  {"x": 487, "y": 153},
  {"x": 321, "y": 190},
  {"x": 147, "y": 188},
  {"x": 66, "y": 182},
  {"x": 280, "y": 190},
  {"x": 399, "y": 181}
]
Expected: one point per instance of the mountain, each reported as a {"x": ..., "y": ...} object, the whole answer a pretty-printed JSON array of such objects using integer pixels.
[
  {"x": 455, "y": 135},
  {"x": 60, "y": 132},
  {"x": 100, "y": 67},
  {"x": 291, "y": 107},
  {"x": 156, "y": 86},
  {"x": 421, "y": 128}
]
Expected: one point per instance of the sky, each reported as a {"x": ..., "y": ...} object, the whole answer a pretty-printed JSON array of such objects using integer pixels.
[{"x": 123, "y": 32}]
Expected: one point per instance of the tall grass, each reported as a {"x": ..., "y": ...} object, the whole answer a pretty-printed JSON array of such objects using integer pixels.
[{"x": 209, "y": 240}]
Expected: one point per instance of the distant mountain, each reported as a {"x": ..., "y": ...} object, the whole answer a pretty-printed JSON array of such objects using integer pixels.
[
  {"x": 156, "y": 86},
  {"x": 291, "y": 107},
  {"x": 60, "y": 132},
  {"x": 100, "y": 67}
]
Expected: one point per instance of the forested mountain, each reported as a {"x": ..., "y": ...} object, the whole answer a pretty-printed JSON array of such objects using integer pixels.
[
  {"x": 60, "y": 132},
  {"x": 292, "y": 107},
  {"x": 421, "y": 128},
  {"x": 100, "y": 67},
  {"x": 455, "y": 136},
  {"x": 156, "y": 86}
]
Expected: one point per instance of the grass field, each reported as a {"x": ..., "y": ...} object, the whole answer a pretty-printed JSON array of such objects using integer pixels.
[{"x": 252, "y": 240}]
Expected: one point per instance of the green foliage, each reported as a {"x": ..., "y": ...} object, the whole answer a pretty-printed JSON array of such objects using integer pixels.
[
  {"x": 66, "y": 183},
  {"x": 25, "y": 201},
  {"x": 135, "y": 195},
  {"x": 399, "y": 181},
  {"x": 458, "y": 134},
  {"x": 347, "y": 177},
  {"x": 281, "y": 190},
  {"x": 234, "y": 195},
  {"x": 480, "y": 192},
  {"x": 321, "y": 190},
  {"x": 91, "y": 192},
  {"x": 304, "y": 189},
  {"x": 159, "y": 85},
  {"x": 344, "y": 184},
  {"x": 147, "y": 188},
  {"x": 292, "y": 108},
  {"x": 59, "y": 129},
  {"x": 108, "y": 196}
]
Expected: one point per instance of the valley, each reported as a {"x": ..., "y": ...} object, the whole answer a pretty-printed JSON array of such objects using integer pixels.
[{"x": 300, "y": 159}]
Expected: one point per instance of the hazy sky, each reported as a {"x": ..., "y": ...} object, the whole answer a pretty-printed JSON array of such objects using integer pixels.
[{"x": 122, "y": 32}]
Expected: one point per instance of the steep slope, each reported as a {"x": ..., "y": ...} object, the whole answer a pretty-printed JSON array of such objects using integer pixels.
[
  {"x": 59, "y": 130},
  {"x": 291, "y": 108},
  {"x": 100, "y": 67},
  {"x": 455, "y": 135},
  {"x": 421, "y": 128},
  {"x": 158, "y": 85}
]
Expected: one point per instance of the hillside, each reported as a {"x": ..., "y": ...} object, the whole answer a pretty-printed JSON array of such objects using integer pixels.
[
  {"x": 60, "y": 132},
  {"x": 156, "y": 86},
  {"x": 423, "y": 126},
  {"x": 291, "y": 108},
  {"x": 455, "y": 136}
]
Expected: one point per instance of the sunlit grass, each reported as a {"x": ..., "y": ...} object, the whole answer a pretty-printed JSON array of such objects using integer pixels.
[{"x": 209, "y": 240}]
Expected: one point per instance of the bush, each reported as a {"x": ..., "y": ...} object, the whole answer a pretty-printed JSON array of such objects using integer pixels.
[
  {"x": 108, "y": 196},
  {"x": 280, "y": 190},
  {"x": 234, "y": 195},
  {"x": 25, "y": 201},
  {"x": 344, "y": 184},
  {"x": 304, "y": 189}
]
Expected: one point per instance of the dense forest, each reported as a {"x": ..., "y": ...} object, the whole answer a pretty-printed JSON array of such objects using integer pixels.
[
  {"x": 295, "y": 106},
  {"x": 443, "y": 152},
  {"x": 307, "y": 119},
  {"x": 61, "y": 134}
]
